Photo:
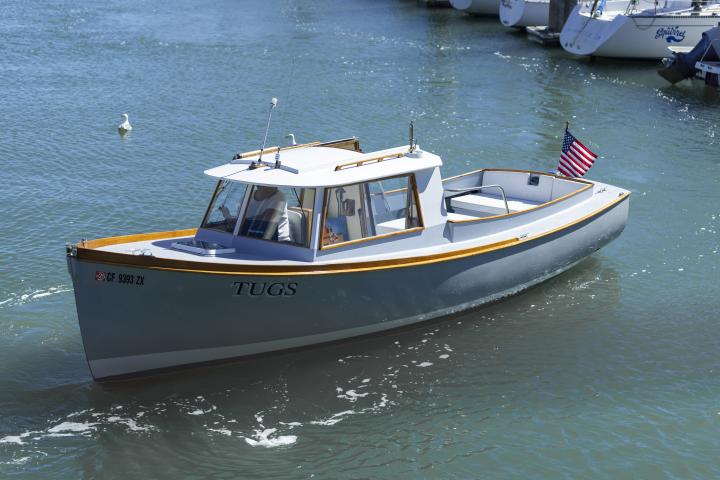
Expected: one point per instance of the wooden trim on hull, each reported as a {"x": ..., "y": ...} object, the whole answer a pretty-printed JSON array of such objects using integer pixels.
[{"x": 87, "y": 252}]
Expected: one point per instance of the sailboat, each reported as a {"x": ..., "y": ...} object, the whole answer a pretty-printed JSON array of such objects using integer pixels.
[
  {"x": 477, "y": 7},
  {"x": 524, "y": 13},
  {"x": 636, "y": 29}
]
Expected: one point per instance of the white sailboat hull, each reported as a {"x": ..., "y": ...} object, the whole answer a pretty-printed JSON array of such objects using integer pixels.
[
  {"x": 477, "y": 7},
  {"x": 631, "y": 36},
  {"x": 524, "y": 13}
]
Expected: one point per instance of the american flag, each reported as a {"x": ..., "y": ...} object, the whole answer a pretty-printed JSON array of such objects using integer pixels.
[{"x": 575, "y": 158}]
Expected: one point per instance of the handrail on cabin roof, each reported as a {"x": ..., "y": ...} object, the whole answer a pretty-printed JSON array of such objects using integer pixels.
[
  {"x": 360, "y": 163},
  {"x": 334, "y": 143},
  {"x": 255, "y": 153}
]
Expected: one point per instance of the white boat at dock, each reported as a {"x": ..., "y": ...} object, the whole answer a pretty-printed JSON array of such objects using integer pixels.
[
  {"x": 324, "y": 243},
  {"x": 636, "y": 29},
  {"x": 524, "y": 13},
  {"x": 477, "y": 7},
  {"x": 709, "y": 71}
]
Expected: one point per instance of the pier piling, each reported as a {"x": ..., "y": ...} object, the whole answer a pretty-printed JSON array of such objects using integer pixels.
[{"x": 560, "y": 10}]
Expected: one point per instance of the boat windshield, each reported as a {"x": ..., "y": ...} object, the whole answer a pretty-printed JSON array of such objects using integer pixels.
[
  {"x": 225, "y": 206},
  {"x": 280, "y": 214},
  {"x": 371, "y": 209}
]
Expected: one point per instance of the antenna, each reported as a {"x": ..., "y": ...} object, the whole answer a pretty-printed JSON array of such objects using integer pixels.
[
  {"x": 277, "y": 158},
  {"x": 412, "y": 136},
  {"x": 273, "y": 103}
]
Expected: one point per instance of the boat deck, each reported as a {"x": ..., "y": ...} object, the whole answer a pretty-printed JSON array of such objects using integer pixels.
[{"x": 522, "y": 227}]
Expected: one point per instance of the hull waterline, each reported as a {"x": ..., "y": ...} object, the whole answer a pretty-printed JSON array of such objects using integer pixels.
[{"x": 181, "y": 317}]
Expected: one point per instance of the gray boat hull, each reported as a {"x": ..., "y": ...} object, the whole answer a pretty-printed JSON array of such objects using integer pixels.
[{"x": 135, "y": 319}]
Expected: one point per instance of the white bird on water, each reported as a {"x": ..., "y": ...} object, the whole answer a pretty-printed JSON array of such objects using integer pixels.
[{"x": 125, "y": 126}]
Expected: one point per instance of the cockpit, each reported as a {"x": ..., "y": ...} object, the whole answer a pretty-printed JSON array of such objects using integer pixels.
[
  {"x": 274, "y": 213},
  {"x": 314, "y": 199}
]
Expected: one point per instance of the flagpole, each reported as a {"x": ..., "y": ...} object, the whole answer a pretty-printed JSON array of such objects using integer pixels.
[
  {"x": 575, "y": 158},
  {"x": 557, "y": 171}
]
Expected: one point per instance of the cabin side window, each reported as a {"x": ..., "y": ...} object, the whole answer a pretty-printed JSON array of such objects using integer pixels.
[
  {"x": 279, "y": 214},
  {"x": 225, "y": 206},
  {"x": 370, "y": 209}
]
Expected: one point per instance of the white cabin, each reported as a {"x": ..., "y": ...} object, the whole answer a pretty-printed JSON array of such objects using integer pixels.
[{"x": 329, "y": 201}]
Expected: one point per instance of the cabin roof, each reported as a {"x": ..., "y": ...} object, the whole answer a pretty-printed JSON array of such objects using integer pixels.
[{"x": 316, "y": 166}]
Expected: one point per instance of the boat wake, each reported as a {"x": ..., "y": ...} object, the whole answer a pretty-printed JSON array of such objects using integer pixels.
[
  {"x": 265, "y": 437},
  {"x": 280, "y": 424},
  {"x": 83, "y": 423},
  {"x": 17, "y": 299},
  {"x": 90, "y": 423},
  {"x": 270, "y": 437}
]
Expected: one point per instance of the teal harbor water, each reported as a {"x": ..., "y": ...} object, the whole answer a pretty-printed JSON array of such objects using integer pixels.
[{"x": 610, "y": 370}]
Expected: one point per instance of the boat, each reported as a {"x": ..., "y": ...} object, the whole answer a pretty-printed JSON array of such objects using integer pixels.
[
  {"x": 525, "y": 13},
  {"x": 638, "y": 29},
  {"x": 701, "y": 62},
  {"x": 477, "y": 7},
  {"x": 709, "y": 71},
  {"x": 323, "y": 243}
]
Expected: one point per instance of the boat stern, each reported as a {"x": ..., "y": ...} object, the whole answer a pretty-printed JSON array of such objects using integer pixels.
[
  {"x": 477, "y": 7},
  {"x": 524, "y": 13},
  {"x": 511, "y": 11},
  {"x": 585, "y": 34}
]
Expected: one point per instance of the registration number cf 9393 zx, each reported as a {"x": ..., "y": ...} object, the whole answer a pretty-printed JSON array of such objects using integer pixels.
[{"x": 122, "y": 278}]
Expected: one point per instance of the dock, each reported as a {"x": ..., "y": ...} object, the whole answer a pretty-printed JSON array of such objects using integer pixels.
[
  {"x": 544, "y": 36},
  {"x": 549, "y": 36}
]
